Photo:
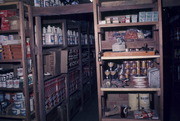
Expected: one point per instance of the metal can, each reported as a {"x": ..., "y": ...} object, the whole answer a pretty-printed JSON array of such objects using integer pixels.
[
  {"x": 138, "y": 64},
  {"x": 143, "y": 64}
]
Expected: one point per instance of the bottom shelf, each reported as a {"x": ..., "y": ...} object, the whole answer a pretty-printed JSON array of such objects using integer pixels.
[
  {"x": 12, "y": 116},
  {"x": 116, "y": 119},
  {"x": 130, "y": 117}
]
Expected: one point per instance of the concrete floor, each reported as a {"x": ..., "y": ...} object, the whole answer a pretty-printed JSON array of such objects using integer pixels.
[{"x": 90, "y": 112}]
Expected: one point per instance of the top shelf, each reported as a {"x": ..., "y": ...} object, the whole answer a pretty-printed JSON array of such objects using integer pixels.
[
  {"x": 128, "y": 24},
  {"x": 9, "y": 3},
  {"x": 84, "y": 8}
]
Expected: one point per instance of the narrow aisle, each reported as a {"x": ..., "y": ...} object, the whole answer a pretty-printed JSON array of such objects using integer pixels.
[{"x": 90, "y": 111}]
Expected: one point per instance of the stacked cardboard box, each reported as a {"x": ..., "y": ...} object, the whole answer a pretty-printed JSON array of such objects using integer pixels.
[{"x": 11, "y": 52}]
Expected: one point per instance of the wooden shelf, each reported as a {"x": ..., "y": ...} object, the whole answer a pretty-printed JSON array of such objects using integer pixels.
[
  {"x": 130, "y": 89},
  {"x": 11, "y": 89},
  {"x": 11, "y": 61},
  {"x": 9, "y": 3},
  {"x": 126, "y": 7},
  {"x": 63, "y": 10},
  {"x": 127, "y": 24},
  {"x": 52, "y": 46},
  {"x": 129, "y": 57},
  {"x": 125, "y": 119},
  {"x": 12, "y": 116},
  {"x": 82, "y": 9},
  {"x": 9, "y": 31}
]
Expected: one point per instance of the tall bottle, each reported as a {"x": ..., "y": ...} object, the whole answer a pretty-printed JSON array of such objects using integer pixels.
[{"x": 49, "y": 36}]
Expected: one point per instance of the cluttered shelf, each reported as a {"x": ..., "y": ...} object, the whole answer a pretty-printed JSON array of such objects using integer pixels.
[
  {"x": 131, "y": 89},
  {"x": 127, "y": 24}
]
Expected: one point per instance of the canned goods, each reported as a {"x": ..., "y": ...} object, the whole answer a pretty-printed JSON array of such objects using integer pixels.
[
  {"x": 15, "y": 111},
  {"x": 10, "y": 83},
  {"x": 23, "y": 112},
  {"x": 18, "y": 104},
  {"x": 16, "y": 83},
  {"x": 20, "y": 96},
  {"x": 143, "y": 64},
  {"x": 20, "y": 72},
  {"x": 138, "y": 64},
  {"x": 144, "y": 101}
]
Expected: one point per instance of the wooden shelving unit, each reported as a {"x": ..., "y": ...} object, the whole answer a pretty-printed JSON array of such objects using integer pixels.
[
  {"x": 67, "y": 52},
  {"x": 21, "y": 8},
  {"x": 107, "y": 94}
]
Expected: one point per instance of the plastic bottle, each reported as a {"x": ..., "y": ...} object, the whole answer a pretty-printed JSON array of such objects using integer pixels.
[
  {"x": 60, "y": 36},
  {"x": 49, "y": 36},
  {"x": 43, "y": 36}
]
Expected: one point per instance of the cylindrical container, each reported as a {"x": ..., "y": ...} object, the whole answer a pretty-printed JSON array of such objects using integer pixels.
[
  {"x": 23, "y": 112},
  {"x": 133, "y": 101},
  {"x": 16, "y": 83},
  {"x": 20, "y": 72},
  {"x": 9, "y": 83},
  {"x": 15, "y": 111},
  {"x": 18, "y": 104},
  {"x": 140, "y": 81},
  {"x": 138, "y": 64},
  {"x": 138, "y": 71},
  {"x": 144, "y": 101},
  {"x": 20, "y": 96},
  {"x": 143, "y": 64}
]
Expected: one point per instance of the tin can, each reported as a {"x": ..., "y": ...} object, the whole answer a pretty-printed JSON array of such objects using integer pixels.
[
  {"x": 20, "y": 72},
  {"x": 138, "y": 64},
  {"x": 15, "y": 111},
  {"x": 16, "y": 83},
  {"x": 133, "y": 101},
  {"x": 10, "y": 83},
  {"x": 144, "y": 101},
  {"x": 143, "y": 64},
  {"x": 150, "y": 64}
]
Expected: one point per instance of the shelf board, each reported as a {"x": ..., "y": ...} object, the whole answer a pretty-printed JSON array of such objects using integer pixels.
[
  {"x": 129, "y": 57},
  {"x": 126, "y": 7},
  {"x": 130, "y": 89},
  {"x": 12, "y": 116},
  {"x": 11, "y": 89},
  {"x": 127, "y": 24},
  {"x": 9, "y": 3},
  {"x": 9, "y": 31},
  {"x": 125, "y": 119},
  {"x": 52, "y": 46},
  {"x": 11, "y": 61},
  {"x": 63, "y": 10}
]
